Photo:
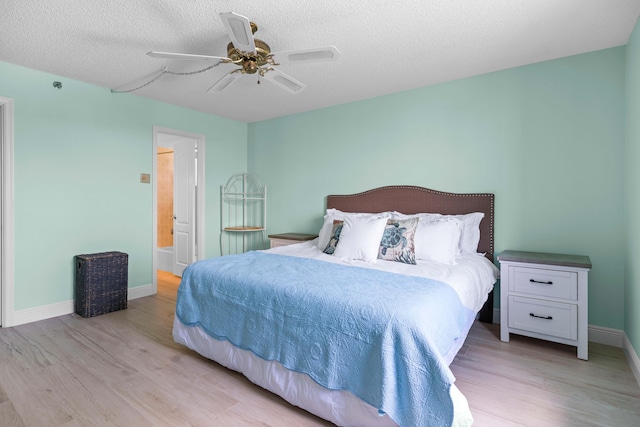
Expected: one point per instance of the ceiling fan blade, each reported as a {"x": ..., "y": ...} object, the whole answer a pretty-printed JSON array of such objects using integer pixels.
[
  {"x": 285, "y": 81},
  {"x": 239, "y": 29},
  {"x": 222, "y": 84},
  {"x": 186, "y": 56},
  {"x": 330, "y": 53}
]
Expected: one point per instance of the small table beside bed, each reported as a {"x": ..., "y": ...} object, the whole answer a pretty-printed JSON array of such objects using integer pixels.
[{"x": 358, "y": 326}]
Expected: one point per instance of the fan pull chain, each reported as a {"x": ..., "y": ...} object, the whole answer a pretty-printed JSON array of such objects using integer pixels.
[{"x": 165, "y": 71}]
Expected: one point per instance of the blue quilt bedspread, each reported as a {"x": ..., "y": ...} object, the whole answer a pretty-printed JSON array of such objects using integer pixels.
[{"x": 379, "y": 335}]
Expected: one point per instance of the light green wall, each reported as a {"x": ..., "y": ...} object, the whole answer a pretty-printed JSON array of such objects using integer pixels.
[
  {"x": 632, "y": 192},
  {"x": 547, "y": 139},
  {"x": 78, "y": 155}
]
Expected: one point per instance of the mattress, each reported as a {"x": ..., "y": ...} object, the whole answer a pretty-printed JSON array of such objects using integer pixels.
[{"x": 472, "y": 277}]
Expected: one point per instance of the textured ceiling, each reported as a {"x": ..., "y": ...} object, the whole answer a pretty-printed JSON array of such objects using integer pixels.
[{"x": 387, "y": 46}]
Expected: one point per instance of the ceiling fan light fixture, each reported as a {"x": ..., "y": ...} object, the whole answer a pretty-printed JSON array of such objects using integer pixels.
[
  {"x": 261, "y": 54},
  {"x": 249, "y": 67}
]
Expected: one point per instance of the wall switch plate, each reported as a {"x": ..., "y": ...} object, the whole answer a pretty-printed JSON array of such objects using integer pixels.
[{"x": 145, "y": 178}]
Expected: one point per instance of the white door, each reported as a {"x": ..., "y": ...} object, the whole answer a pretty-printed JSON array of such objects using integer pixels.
[{"x": 184, "y": 193}]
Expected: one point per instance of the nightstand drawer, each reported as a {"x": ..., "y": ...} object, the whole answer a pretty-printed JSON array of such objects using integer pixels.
[
  {"x": 545, "y": 282},
  {"x": 544, "y": 317}
]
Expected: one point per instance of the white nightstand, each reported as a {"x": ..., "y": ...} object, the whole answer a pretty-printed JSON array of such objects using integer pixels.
[
  {"x": 545, "y": 296},
  {"x": 285, "y": 239}
]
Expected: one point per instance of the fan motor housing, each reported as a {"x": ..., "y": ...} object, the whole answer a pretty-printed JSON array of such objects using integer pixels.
[{"x": 250, "y": 60}]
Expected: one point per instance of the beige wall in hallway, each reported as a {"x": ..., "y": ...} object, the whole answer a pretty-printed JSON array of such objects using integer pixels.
[{"x": 165, "y": 197}]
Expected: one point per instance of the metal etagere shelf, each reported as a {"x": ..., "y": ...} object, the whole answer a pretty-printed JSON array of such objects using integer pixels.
[{"x": 243, "y": 214}]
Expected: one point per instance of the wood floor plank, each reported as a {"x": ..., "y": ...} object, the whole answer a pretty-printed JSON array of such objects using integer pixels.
[
  {"x": 272, "y": 413},
  {"x": 533, "y": 411},
  {"x": 481, "y": 418},
  {"x": 264, "y": 405},
  {"x": 85, "y": 388},
  {"x": 9, "y": 416},
  {"x": 546, "y": 383}
]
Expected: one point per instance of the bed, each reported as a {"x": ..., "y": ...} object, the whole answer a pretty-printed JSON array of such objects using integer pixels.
[{"x": 353, "y": 340}]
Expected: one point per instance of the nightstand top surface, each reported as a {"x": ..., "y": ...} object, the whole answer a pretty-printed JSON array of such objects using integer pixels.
[
  {"x": 579, "y": 261},
  {"x": 293, "y": 236}
]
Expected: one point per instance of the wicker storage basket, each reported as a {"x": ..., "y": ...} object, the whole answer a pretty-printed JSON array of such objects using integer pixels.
[{"x": 101, "y": 283}]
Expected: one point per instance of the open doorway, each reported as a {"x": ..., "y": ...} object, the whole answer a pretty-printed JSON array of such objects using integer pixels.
[{"x": 178, "y": 177}]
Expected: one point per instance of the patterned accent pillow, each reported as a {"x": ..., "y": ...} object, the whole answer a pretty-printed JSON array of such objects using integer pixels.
[
  {"x": 397, "y": 242},
  {"x": 334, "y": 237}
]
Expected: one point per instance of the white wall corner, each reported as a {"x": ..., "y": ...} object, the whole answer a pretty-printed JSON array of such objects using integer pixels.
[{"x": 632, "y": 357}]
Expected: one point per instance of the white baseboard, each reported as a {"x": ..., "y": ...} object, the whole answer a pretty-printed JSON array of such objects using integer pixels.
[
  {"x": 608, "y": 336},
  {"x": 632, "y": 357},
  {"x": 139, "y": 292},
  {"x": 597, "y": 334},
  {"x": 35, "y": 314}
]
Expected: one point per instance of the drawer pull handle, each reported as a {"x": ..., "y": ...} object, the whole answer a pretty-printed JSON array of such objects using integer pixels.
[
  {"x": 541, "y": 317},
  {"x": 539, "y": 281}
]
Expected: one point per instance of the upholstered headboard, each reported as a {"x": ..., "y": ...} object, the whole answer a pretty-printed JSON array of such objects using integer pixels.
[{"x": 411, "y": 199}]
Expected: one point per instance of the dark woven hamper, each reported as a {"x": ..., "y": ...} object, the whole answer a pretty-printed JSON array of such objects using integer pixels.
[{"x": 101, "y": 283}]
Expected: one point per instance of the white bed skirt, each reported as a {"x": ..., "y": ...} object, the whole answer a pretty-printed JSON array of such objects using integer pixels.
[{"x": 338, "y": 406}]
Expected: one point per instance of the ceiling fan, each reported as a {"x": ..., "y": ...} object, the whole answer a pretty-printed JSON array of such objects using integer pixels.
[{"x": 254, "y": 56}]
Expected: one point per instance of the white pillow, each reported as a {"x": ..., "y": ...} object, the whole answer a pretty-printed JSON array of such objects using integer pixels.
[
  {"x": 437, "y": 240},
  {"x": 360, "y": 238},
  {"x": 324, "y": 235},
  {"x": 470, "y": 234},
  {"x": 470, "y": 237}
]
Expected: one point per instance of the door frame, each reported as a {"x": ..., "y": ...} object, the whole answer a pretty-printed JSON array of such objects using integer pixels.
[
  {"x": 199, "y": 199},
  {"x": 6, "y": 217}
]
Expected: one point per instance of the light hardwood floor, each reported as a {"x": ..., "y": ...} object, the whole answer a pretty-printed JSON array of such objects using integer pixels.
[{"x": 124, "y": 369}]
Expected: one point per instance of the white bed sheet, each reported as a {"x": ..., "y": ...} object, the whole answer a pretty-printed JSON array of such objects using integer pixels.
[{"x": 472, "y": 277}]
